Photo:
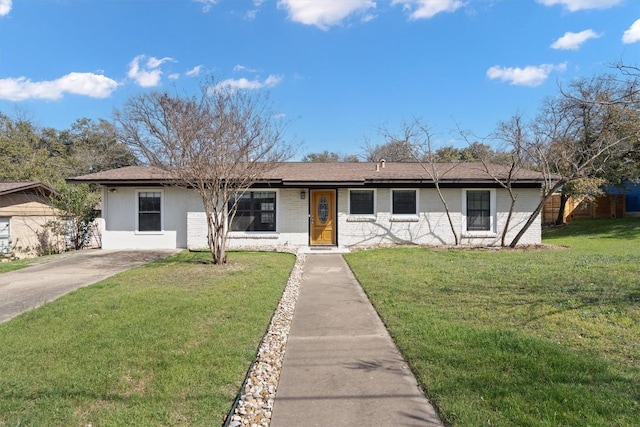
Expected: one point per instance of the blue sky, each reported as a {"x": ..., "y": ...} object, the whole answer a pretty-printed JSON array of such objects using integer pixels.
[{"x": 337, "y": 70}]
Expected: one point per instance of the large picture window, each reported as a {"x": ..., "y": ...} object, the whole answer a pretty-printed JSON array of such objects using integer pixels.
[
  {"x": 404, "y": 202},
  {"x": 149, "y": 211},
  {"x": 361, "y": 202},
  {"x": 256, "y": 212},
  {"x": 478, "y": 210}
]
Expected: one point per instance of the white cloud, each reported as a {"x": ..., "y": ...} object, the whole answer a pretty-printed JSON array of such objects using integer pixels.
[
  {"x": 207, "y": 4},
  {"x": 424, "y": 9},
  {"x": 243, "y": 68},
  {"x": 632, "y": 35},
  {"x": 243, "y": 83},
  {"x": 174, "y": 76},
  {"x": 149, "y": 74},
  {"x": 573, "y": 41},
  {"x": 5, "y": 7},
  {"x": 576, "y": 5},
  {"x": 87, "y": 84},
  {"x": 531, "y": 75},
  {"x": 194, "y": 72},
  {"x": 324, "y": 14}
]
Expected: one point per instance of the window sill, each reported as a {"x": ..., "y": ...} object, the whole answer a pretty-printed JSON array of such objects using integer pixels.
[
  {"x": 479, "y": 235},
  {"x": 404, "y": 218},
  {"x": 148, "y": 233},
  {"x": 361, "y": 218},
  {"x": 253, "y": 235}
]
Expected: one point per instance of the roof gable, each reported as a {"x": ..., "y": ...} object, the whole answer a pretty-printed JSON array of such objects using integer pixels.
[{"x": 16, "y": 187}]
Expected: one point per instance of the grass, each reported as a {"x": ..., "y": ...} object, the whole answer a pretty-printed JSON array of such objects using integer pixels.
[
  {"x": 166, "y": 344},
  {"x": 13, "y": 265},
  {"x": 519, "y": 337}
]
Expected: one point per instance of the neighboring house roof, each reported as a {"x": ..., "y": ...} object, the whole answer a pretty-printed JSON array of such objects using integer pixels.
[
  {"x": 312, "y": 174},
  {"x": 16, "y": 187}
]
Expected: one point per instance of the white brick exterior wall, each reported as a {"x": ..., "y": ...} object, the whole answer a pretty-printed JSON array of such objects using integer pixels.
[{"x": 184, "y": 225}]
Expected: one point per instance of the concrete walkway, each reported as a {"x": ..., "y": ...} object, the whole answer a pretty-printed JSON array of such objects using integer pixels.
[
  {"x": 341, "y": 367},
  {"x": 52, "y": 277}
]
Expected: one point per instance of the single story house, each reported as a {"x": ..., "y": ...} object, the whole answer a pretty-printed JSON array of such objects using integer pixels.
[
  {"x": 24, "y": 209},
  {"x": 338, "y": 205}
]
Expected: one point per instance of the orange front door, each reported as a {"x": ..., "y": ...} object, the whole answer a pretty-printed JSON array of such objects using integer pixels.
[{"x": 323, "y": 215}]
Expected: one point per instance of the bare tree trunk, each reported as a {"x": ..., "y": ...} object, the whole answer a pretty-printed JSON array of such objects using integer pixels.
[
  {"x": 535, "y": 213},
  {"x": 505, "y": 230},
  {"x": 563, "y": 206}
]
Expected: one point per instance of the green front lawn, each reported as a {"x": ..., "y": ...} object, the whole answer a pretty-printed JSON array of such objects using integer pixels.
[
  {"x": 165, "y": 344},
  {"x": 13, "y": 265},
  {"x": 519, "y": 337}
]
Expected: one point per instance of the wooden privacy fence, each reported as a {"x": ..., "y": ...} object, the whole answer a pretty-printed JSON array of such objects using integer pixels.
[{"x": 601, "y": 207}]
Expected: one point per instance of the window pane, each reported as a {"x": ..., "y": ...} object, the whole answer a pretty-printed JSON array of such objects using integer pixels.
[
  {"x": 149, "y": 206},
  {"x": 404, "y": 202},
  {"x": 361, "y": 202},
  {"x": 149, "y": 222},
  {"x": 478, "y": 210},
  {"x": 256, "y": 212}
]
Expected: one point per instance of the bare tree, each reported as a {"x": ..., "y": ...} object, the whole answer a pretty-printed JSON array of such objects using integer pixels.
[
  {"x": 509, "y": 134},
  {"x": 579, "y": 134},
  {"x": 217, "y": 143},
  {"x": 416, "y": 140}
]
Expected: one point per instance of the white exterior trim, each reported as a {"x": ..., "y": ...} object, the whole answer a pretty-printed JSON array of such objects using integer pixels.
[
  {"x": 405, "y": 217},
  {"x": 137, "y": 206},
  {"x": 492, "y": 232},
  {"x": 241, "y": 234},
  {"x": 362, "y": 217}
]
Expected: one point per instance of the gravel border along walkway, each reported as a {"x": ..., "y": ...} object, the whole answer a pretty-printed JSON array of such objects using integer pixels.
[{"x": 256, "y": 399}]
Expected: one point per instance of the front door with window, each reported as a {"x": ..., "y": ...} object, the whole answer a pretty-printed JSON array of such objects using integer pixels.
[{"x": 323, "y": 215}]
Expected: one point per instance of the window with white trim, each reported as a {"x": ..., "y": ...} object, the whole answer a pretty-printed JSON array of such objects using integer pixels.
[
  {"x": 404, "y": 202},
  {"x": 362, "y": 202},
  {"x": 479, "y": 208},
  {"x": 256, "y": 211},
  {"x": 149, "y": 210}
]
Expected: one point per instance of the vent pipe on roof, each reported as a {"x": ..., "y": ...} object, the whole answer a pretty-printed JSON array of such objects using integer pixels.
[
  {"x": 382, "y": 162},
  {"x": 377, "y": 167}
]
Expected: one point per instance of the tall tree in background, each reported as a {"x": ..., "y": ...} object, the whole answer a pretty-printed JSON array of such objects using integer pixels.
[
  {"x": 217, "y": 143},
  {"x": 393, "y": 150},
  {"x": 92, "y": 146},
  {"x": 578, "y": 135},
  {"x": 329, "y": 157},
  {"x": 22, "y": 157},
  {"x": 590, "y": 112}
]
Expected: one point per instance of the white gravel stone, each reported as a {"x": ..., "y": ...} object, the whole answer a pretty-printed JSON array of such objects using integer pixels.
[{"x": 256, "y": 399}]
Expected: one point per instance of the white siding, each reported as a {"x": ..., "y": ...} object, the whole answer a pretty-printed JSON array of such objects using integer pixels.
[{"x": 119, "y": 213}]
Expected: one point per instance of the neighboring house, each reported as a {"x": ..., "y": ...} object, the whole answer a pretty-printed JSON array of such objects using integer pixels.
[
  {"x": 322, "y": 204},
  {"x": 24, "y": 209}
]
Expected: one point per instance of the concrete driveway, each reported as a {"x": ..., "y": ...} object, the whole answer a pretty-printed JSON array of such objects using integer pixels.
[{"x": 52, "y": 277}]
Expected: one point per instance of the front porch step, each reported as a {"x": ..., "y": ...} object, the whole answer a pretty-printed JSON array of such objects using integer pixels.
[{"x": 323, "y": 250}]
